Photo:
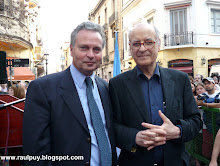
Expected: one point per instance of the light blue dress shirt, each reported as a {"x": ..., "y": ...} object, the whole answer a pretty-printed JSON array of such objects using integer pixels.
[{"x": 79, "y": 81}]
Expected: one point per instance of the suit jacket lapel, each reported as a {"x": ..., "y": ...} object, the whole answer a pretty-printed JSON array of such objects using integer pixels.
[
  {"x": 134, "y": 87},
  {"x": 168, "y": 90},
  {"x": 71, "y": 98},
  {"x": 103, "y": 92}
]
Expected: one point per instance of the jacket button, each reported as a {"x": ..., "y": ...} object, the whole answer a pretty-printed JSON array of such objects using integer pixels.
[
  {"x": 88, "y": 139},
  {"x": 87, "y": 164}
]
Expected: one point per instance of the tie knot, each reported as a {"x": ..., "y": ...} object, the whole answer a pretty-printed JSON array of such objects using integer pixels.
[{"x": 88, "y": 82}]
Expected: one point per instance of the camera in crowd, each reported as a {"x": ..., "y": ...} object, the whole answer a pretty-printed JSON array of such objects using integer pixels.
[
  {"x": 217, "y": 100},
  {"x": 201, "y": 97}
]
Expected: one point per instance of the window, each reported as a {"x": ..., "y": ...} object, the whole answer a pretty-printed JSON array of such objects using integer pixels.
[
  {"x": 178, "y": 25},
  {"x": 125, "y": 41},
  {"x": 178, "y": 21},
  {"x": 1, "y": 6},
  {"x": 106, "y": 19},
  {"x": 99, "y": 20},
  {"x": 8, "y": 7},
  {"x": 113, "y": 6},
  {"x": 215, "y": 21},
  {"x": 22, "y": 13},
  {"x": 106, "y": 45}
]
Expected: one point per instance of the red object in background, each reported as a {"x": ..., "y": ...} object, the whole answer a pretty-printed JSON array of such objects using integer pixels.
[
  {"x": 16, "y": 122},
  {"x": 207, "y": 144},
  {"x": 15, "y": 127}
]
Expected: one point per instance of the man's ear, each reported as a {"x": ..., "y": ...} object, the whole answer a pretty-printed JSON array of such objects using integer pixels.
[{"x": 71, "y": 49}]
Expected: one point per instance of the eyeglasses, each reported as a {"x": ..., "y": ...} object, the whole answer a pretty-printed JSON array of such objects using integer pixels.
[{"x": 148, "y": 44}]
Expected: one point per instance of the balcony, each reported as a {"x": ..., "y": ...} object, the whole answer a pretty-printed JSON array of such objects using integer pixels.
[
  {"x": 113, "y": 18},
  {"x": 185, "y": 38}
]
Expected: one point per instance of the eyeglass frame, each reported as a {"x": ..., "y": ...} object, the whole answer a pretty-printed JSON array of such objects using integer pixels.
[{"x": 142, "y": 43}]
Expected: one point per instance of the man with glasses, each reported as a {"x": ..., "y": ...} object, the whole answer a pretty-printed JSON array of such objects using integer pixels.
[
  {"x": 198, "y": 78},
  {"x": 153, "y": 108}
]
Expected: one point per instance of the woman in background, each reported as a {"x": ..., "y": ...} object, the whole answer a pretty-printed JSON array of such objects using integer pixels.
[
  {"x": 17, "y": 91},
  {"x": 200, "y": 88}
]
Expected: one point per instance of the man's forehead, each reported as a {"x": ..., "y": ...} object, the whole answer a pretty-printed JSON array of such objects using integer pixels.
[{"x": 143, "y": 29}]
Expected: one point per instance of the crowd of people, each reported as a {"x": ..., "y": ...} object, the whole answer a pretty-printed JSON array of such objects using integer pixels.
[
  {"x": 206, "y": 92},
  {"x": 17, "y": 89}
]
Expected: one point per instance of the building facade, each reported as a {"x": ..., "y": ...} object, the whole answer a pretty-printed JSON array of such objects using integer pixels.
[
  {"x": 189, "y": 32},
  {"x": 107, "y": 14},
  {"x": 20, "y": 33}
]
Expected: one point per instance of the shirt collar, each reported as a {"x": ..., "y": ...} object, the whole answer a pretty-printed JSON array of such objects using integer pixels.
[
  {"x": 157, "y": 71},
  {"x": 78, "y": 77}
]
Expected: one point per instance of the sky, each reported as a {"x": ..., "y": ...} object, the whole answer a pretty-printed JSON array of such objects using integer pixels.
[{"x": 58, "y": 19}]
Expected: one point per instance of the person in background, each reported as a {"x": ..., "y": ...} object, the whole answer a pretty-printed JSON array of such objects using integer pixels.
[
  {"x": 198, "y": 78},
  {"x": 154, "y": 110},
  {"x": 69, "y": 113},
  {"x": 193, "y": 88},
  {"x": 17, "y": 91},
  {"x": 11, "y": 90},
  {"x": 212, "y": 96},
  {"x": 191, "y": 79},
  {"x": 200, "y": 89},
  {"x": 216, "y": 148},
  {"x": 3, "y": 88},
  {"x": 23, "y": 85},
  {"x": 216, "y": 79}
]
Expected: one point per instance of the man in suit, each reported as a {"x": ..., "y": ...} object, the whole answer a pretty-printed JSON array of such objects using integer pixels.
[
  {"x": 154, "y": 111},
  {"x": 58, "y": 117}
]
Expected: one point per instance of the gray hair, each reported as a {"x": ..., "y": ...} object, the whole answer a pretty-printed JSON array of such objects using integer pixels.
[
  {"x": 87, "y": 26},
  {"x": 201, "y": 76},
  {"x": 157, "y": 32}
]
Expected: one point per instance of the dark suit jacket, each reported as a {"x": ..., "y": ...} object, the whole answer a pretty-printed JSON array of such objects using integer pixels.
[
  {"x": 129, "y": 111},
  {"x": 54, "y": 121}
]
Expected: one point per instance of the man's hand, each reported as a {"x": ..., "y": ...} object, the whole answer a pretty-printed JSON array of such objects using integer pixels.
[
  {"x": 213, "y": 163},
  {"x": 150, "y": 138},
  {"x": 157, "y": 135},
  {"x": 172, "y": 131},
  {"x": 199, "y": 102}
]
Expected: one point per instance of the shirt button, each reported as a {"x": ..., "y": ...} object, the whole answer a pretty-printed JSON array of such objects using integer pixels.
[
  {"x": 88, "y": 139},
  {"x": 87, "y": 163}
]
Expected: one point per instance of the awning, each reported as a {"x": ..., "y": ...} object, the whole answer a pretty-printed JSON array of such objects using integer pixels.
[
  {"x": 186, "y": 69},
  {"x": 21, "y": 74}
]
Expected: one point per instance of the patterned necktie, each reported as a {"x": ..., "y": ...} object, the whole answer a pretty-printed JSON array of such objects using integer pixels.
[{"x": 105, "y": 152}]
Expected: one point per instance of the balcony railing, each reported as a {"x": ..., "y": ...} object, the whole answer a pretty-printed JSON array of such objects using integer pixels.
[
  {"x": 112, "y": 18},
  {"x": 185, "y": 38}
]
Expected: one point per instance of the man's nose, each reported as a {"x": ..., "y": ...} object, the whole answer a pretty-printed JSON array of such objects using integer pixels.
[
  {"x": 90, "y": 53},
  {"x": 142, "y": 47}
]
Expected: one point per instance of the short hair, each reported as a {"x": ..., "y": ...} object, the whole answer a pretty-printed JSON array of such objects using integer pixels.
[
  {"x": 157, "y": 32},
  {"x": 201, "y": 76},
  {"x": 87, "y": 26}
]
